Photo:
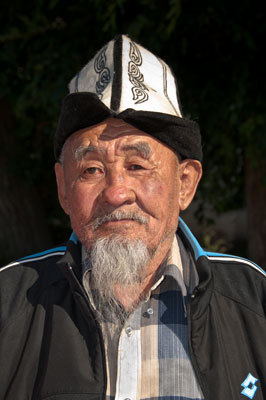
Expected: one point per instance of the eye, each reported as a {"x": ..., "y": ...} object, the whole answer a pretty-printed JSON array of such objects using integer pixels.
[
  {"x": 92, "y": 171},
  {"x": 135, "y": 167}
]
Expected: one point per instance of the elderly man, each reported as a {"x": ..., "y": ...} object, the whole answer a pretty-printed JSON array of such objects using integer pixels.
[{"x": 132, "y": 307}]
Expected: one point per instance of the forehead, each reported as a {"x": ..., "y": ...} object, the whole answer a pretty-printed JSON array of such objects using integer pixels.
[{"x": 114, "y": 133}]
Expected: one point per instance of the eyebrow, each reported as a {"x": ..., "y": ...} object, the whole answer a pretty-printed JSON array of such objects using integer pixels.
[
  {"x": 143, "y": 148},
  {"x": 81, "y": 151}
]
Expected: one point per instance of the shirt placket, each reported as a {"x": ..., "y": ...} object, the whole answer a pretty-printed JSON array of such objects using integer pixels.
[{"x": 129, "y": 359}]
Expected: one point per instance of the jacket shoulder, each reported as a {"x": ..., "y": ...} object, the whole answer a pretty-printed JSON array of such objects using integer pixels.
[
  {"x": 236, "y": 261},
  {"x": 23, "y": 282},
  {"x": 24, "y": 271},
  {"x": 37, "y": 257},
  {"x": 238, "y": 279}
]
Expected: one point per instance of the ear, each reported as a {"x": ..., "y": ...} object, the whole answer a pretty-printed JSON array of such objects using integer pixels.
[
  {"x": 61, "y": 187},
  {"x": 190, "y": 172}
]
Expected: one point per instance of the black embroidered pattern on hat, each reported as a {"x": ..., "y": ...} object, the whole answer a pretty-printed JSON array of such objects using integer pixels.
[
  {"x": 165, "y": 84},
  {"x": 103, "y": 71},
  {"x": 135, "y": 76}
]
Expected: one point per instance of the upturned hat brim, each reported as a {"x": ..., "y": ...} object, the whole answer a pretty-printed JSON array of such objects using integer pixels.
[{"x": 82, "y": 110}]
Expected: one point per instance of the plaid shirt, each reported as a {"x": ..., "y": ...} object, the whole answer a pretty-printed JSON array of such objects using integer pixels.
[{"x": 149, "y": 358}]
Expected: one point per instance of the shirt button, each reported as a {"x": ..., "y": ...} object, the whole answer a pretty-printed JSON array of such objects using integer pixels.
[
  {"x": 129, "y": 332},
  {"x": 150, "y": 311}
]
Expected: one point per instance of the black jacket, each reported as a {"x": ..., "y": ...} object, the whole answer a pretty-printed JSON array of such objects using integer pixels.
[{"x": 51, "y": 347}]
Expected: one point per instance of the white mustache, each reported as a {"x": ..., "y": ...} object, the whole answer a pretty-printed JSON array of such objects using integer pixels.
[{"x": 118, "y": 216}]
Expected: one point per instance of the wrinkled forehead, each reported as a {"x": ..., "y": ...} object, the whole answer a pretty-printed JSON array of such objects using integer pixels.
[
  {"x": 113, "y": 133},
  {"x": 111, "y": 128}
]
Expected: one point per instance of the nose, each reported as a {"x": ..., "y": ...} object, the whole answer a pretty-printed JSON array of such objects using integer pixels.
[{"x": 117, "y": 191}]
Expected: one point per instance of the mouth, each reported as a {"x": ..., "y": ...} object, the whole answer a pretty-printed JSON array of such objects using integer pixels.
[
  {"x": 118, "y": 222},
  {"x": 118, "y": 218}
]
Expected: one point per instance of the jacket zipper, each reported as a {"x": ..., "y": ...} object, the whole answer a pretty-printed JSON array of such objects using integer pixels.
[
  {"x": 87, "y": 300},
  {"x": 193, "y": 360}
]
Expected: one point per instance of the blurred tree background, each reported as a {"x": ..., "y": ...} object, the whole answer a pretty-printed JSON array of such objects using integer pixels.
[{"x": 215, "y": 49}]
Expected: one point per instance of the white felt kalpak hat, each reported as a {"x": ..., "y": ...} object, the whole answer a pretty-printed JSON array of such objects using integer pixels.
[
  {"x": 125, "y": 80},
  {"x": 126, "y": 75}
]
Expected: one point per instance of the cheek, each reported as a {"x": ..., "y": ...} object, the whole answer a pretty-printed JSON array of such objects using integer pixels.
[
  {"x": 80, "y": 203},
  {"x": 160, "y": 198},
  {"x": 153, "y": 188},
  {"x": 151, "y": 197}
]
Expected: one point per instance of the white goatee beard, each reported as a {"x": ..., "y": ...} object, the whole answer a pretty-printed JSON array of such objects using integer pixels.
[{"x": 116, "y": 261}]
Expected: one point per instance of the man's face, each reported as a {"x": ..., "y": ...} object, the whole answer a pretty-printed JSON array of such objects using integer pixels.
[{"x": 113, "y": 167}]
